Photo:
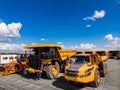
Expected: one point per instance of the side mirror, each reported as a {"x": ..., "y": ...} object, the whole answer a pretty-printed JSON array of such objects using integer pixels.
[{"x": 72, "y": 60}]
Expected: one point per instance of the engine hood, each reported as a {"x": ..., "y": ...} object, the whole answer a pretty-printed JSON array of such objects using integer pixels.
[{"x": 75, "y": 66}]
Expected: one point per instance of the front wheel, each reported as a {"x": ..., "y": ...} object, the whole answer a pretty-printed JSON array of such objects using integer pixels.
[
  {"x": 97, "y": 79},
  {"x": 53, "y": 71}
]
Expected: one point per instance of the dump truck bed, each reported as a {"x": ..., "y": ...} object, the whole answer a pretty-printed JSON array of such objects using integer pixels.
[
  {"x": 103, "y": 58},
  {"x": 65, "y": 54},
  {"x": 103, "y": 54}
]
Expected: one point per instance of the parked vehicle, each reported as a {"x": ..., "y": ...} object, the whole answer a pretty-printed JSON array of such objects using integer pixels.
[{"x": 86, "y": 68}]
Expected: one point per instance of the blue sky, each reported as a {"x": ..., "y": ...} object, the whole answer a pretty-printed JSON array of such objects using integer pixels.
[{"x": 69, "y": 22}]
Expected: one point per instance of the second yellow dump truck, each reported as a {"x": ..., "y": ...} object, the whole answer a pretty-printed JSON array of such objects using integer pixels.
[
  {"x": 114, "y": 54},
  {"x": 47, "y": 58},
  {"x": 86, "y": 68},
  {"x": 104, "y": 54}
]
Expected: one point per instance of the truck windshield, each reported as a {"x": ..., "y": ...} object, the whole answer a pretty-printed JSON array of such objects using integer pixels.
[
  {"x": 45, "y": 52},
  {"x": 81, "y": 59}
]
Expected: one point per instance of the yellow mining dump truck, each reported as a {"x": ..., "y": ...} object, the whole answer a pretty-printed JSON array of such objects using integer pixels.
[
  {"x": 114, "y": 54},
  {"x": 104, "y": 55},
  {"x": 47, "y": 58},
  {"x": 86, "y": 68},
  {"x": 89, "y": 52},
  {"x": 12, "y": 63}
]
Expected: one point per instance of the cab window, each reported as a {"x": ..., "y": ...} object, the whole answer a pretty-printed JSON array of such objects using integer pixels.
[
  {"x": 81, "y": 59},
  {"x": 95, "y": 58}
]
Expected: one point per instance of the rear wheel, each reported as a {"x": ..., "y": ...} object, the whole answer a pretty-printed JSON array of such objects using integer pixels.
[
  {"x": 103, "y": 69},
  {"x": 26, "y": 73},
  {"x": 38, "y": 75},
  {"x": 53, "y": 71},
  {"x": 97, "y": 79}
]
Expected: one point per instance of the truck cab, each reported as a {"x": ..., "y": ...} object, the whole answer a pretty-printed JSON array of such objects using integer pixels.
[{"x": 85, "y": 68}]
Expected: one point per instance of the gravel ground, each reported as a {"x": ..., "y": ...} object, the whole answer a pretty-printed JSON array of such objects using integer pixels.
[{"x": 19, "y": 82}]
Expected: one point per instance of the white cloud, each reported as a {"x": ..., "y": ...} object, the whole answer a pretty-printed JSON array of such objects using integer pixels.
[
  {"x": 114, "y": 42},
  {"x": 14, "y": 29},
  {"x": 11, "y": 47},
  {"x": 87, "y": 46},
  {"x": 88, "y": 25},
  {"x": 83, "y": 47},
  {"x": 2, "y": 39},
  {"x": 43, "y": 39},
  {"x": 9, "y": 31},
  {"x": 112, "y": 46},
  {"x": 108, "y": 37},
  {"x": 97, "y": 14},
  {"x": 89, "y": 18},
  {"x": 60, "y": 44}
]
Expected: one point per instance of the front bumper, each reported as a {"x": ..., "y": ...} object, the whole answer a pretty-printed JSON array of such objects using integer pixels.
[{"x": 80, "y": 79}]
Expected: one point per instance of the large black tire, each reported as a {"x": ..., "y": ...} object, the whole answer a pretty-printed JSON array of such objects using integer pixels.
[
  {"x": 53, "y": 70},
  {"x": 26, "y": 74},
  {"x": 38, "y": 75},
  {"x": 97, "y": 79},
  {"x": 103, "y": 69}
]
